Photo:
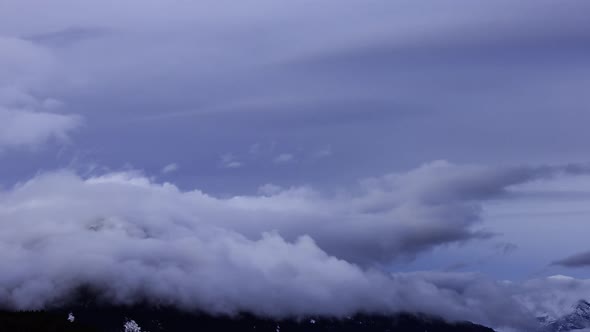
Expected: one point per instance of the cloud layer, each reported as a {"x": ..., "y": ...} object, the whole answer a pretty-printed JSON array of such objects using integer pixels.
[
  {"x": 21, "y": 128},
  {"x": 224, "y": 76},
  {"x": 287, "y": 252},
  {"x": 285, "y": 94},
  {"x": 26, "y": 120}
]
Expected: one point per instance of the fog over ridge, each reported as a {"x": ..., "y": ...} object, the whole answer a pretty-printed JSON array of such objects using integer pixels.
[{"x": 293, "y": 252}]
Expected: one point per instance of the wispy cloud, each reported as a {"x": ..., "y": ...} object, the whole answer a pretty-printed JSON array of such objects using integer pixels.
[
  {"x": 170, "y": 168},
  {"x": 284, "y": 158},
  {"x": 229, "y": 160},
  {"x": 26, "y": 120}
]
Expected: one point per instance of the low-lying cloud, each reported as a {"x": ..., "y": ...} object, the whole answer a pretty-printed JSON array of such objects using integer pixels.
[{"x": 288, "y": 252}]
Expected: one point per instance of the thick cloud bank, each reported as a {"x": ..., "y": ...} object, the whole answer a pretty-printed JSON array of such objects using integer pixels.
[{"x": 295, "y": 251}]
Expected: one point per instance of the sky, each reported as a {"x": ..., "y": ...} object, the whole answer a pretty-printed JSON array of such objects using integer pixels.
[{"x": 297, "y": 158}]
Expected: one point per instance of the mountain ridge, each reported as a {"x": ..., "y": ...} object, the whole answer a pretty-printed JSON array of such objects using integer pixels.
[
  {"x": 166, "y": 319},
  {"x": 577, "y": 319}
]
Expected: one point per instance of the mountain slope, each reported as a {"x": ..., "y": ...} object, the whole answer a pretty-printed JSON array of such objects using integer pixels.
[
  {"x": 111, "y": 319},
  {"x": 578, "y": 319}
]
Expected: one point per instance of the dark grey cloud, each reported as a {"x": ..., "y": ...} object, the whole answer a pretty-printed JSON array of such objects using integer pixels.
[{"x": 577, "y": 260}]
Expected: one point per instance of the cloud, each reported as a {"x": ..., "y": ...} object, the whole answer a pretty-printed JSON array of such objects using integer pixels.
[
  {"x": 228, "y": 160},
  {"x": 269, "y": 189},
  {"x": 323, "y": 152},
  {"x": 287, "y": 252},
  {"x": 170, "y": 168},
  {"x": 577, "y": 260},
  {"x": 398, "y": 72},
  {"x": 67, "y": 36},
  {"x": 505, "y": 248},
  {"x": 26, "y": 120},
  {"x": 21, "y": 128},
  {"x": 500, "y": 249},
  {"x": 24, "y": 64},
  {"x": 284, "y": 158},
  {"x": 553, "y": 296},
  {"x": 379, "y": 67}
]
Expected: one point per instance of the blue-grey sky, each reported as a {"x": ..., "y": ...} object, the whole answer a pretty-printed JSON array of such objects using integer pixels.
[{"x": 436, "y": 141}]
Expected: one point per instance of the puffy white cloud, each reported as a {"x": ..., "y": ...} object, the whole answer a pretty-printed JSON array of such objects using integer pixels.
[{"x": 290, "y": 252}]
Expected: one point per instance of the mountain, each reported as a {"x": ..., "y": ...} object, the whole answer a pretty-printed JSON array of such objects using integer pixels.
[
  {"x": 143, "y": 318},
  {"x": 578, "y": 319}
]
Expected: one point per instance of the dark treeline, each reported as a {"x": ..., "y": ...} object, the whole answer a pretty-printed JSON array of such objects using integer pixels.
[{"x": 112, "y": 318}]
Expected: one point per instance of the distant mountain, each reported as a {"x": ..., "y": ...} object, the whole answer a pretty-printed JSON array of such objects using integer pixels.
[
  {"x": 142, "y": 318},
  {"x": 578, "y": 319}
]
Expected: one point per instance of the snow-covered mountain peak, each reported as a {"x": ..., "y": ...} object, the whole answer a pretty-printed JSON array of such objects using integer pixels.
[
  {"x": 578, "y": 318},
  {"x": 582, "y": 308}
]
